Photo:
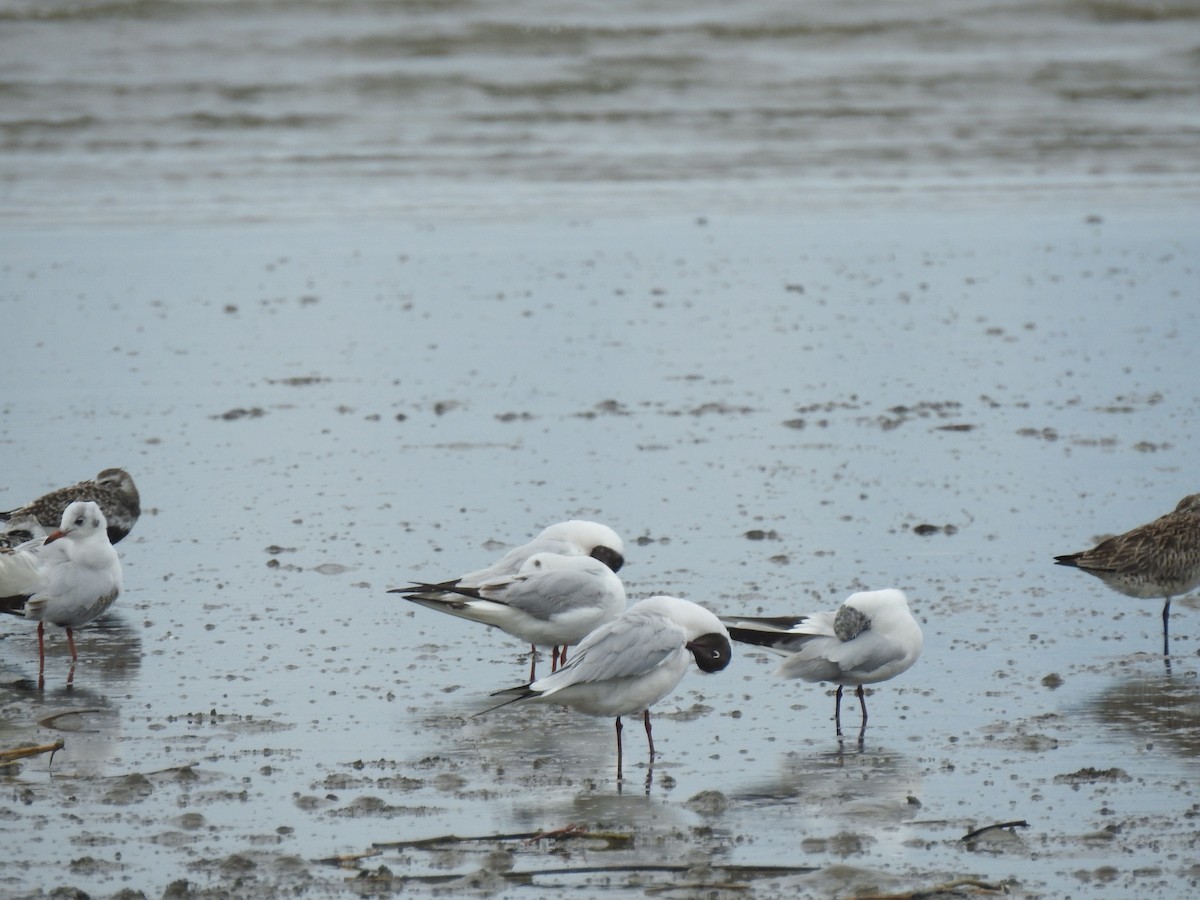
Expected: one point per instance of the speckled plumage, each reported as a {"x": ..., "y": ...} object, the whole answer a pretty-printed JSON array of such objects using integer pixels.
[
  {"x": 1158, "y": 559},
  {"x": 113, "y": 490}
]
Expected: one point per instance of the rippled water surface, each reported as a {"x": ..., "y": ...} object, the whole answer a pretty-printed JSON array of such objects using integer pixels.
[
  {"x": 246, "y": 109},
  {"x": 800, "y": 298}
]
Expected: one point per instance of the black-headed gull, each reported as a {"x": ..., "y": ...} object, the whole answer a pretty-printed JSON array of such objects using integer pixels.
[
  {"x": 68, "y": 579},
  {"x": 1160, "y": 559},
  {"x": 548, "y": 605},
  {"x": 113, "y": 489},
  {"x": 870, "y": 638},
  {"x": 629, "y": 664}
]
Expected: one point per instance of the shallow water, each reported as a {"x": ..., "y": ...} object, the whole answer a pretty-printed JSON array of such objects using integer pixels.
[
  {"x": 364, "y": 293},
  {"x": 315, "y": 414},
  {"x": 257, "y": 109}
]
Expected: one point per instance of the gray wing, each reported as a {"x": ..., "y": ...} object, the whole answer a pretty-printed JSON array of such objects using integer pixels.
[
  {"x": 547, "y": 594},
  {"x": 830, "y": 659},
  {"x": 624, "y": 648},
  {"x": 510, "y": 563},
  {"x": 20, "y": 575}
]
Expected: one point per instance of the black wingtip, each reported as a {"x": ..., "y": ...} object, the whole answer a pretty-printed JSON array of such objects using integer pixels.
[
  {"x": 755, "y": 637},
  {"x": 446, "y": 587},
  {"x": 520, "y": 692}
]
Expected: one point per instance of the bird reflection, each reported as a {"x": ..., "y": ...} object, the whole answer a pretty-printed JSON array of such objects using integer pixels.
[
  {"x": 88, "y": 721},
  {"x": 1160, "y": 708},
  {"x": 845, "y": 783},
  {"x": 110, "y": 651}
]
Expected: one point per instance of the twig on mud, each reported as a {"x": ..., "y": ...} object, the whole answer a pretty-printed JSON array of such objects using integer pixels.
[
  {"x": 8, "y": 757},
  {"x": 347, "y": 860},
  {"x": 173, "y": 770},
  {"x": 957, "y": 886},
  {"x": 572, "y": 830},
  {"x": 971, "y": 835},
  {"x": 422, "y": 843},
  {"x": 52, "y": 721},
  {"x": 612, "y": 838},
  {"x": 527, "y": 876}
]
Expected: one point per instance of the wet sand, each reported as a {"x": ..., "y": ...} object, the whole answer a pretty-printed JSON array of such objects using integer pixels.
[{"x": 774, "y": 411}]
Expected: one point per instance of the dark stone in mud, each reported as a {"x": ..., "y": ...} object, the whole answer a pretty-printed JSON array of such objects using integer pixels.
[
  {"x": 758, "y": 534},
  {"x": 85, "y": 865},
  {"x": 255, "y": 412},
  {"x": 925, "y": 529},
  {"x": 236, "y": 864},
  {"x": 1087, "y": 775},
  {"x": 708, "y": 803},
  {"x": 130, "y": 789}
]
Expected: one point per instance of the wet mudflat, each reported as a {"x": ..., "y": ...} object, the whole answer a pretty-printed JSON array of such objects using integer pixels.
[{"x": 773, "y": 411}]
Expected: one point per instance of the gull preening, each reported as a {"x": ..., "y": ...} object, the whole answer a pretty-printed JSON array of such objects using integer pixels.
[
  {"x": 68, "y": 580},
  {"x": 534, "y": 594},
  {"x": 1160, "y": 559},
  {"x": 870, "y": 638},
  {"x": 551, "y": 601},
  {"x": 627, "y": 665},
  {"x": 112, "y": 489}
]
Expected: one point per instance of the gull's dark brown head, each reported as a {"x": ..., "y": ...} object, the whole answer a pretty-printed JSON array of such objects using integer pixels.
[
  {"x": 712, "y": 652},
  {"x": 610, "y": 557}
]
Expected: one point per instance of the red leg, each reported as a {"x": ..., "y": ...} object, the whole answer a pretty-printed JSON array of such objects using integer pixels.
[
  {"x": 532, "y": 663},
  {"x": 41, "y": 647},
  {"x": 619, "y": 727},
  {"x": 71, "y": 644}
]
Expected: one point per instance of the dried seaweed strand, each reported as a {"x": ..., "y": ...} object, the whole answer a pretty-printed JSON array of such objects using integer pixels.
[
  {"x": 971, "y": 835},
  {"x": 949, "y": 887},
  {"x": 571, "y": 831},
  {"x": 8, "y": 757}
]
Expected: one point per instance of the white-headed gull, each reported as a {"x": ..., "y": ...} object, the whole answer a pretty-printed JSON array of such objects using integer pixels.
[
  {"x": 870, "y": 638},
  {"x": 68, "y": 579},
  {"x": 629, "y": 664},
  {"x": 552, "y": 600},
  {"x": 113, "y": 489},
  {"x": 536, "y": 613},
  {"x": 1160, "y": 559}
]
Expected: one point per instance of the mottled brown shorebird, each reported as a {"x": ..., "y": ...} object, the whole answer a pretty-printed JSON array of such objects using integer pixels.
[
  {"x": 1158, "y": 559},
  {"x": 113, "y": 490}
]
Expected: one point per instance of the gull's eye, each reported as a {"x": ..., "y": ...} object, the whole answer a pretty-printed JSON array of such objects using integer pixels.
[{"x": 711, "y": 652}]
